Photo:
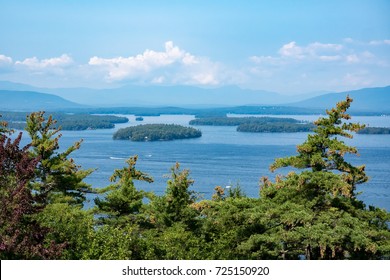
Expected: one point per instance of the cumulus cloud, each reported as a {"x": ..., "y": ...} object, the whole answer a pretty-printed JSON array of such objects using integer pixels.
[
  {"x": 35, "y": 64},
  {"x": 320, "y": 52},
  {"x": 291, "y": 50},
  {"x": 292, "y": 67},
  {"x": 352, "y": 63},
  {"x": 5, "y": 63},
  {"x": 170, "y": 66},
  {"x": 314, "y": 50},
  {"x": 5, "y": 60},
  {"x": 119, "y": 68}
]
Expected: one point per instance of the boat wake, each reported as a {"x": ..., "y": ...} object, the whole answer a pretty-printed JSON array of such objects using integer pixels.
[{"x": 117, "y": 158}]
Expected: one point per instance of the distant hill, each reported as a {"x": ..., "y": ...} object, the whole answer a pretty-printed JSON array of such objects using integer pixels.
[
  {"x": 366, "y": 100},
  {"x": 134, "y": 95},
  {"x": 13, "y": 100}
]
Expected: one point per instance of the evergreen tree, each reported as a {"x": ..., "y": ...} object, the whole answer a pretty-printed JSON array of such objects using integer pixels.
[
  {"x": 21, "y": 236},
  {"x": 57, "y": 178},
  {"x": 123, "y": 202},
  {"x": 316, "y": 213},
  {"x": 175, "y": 205}
]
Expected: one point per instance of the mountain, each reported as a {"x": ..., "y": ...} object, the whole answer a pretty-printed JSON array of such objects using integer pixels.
[
  {"x": 133, "y": 95},
  {"x": 6, "y": 85},
  {"x": 373, "y": 100},
  {"x": 370, "y": 100},
  {"x": 12, "y": 100}
]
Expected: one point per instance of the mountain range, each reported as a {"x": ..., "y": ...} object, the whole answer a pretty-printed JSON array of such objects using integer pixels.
[
  {"x": 24, "y": 97},
  {"x": 366, "y": 100},
  {"x": 28, "y": 101}
]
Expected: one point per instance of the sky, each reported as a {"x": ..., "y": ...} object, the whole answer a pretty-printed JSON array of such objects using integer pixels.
[{"x": 289, "y": 47}]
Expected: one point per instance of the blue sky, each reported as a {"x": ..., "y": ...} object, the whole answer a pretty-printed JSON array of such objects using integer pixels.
[{"x": 289, "y": 47}]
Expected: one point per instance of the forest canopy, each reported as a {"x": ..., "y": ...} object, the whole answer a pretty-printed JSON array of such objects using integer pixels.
[{"x": 313, "y": 212}]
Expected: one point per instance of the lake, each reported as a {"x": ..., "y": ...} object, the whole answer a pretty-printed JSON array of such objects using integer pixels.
[{"x": 223, "y": 156}]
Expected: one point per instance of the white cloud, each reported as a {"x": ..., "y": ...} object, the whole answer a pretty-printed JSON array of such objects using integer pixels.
[
  {"x": 205, "y": 79},
  {"x": 291, "y": 50},
  {"x": 316, "y": 46},
  {"x": 318, "y": 65},
  {"x": 5, "y": 60},
  {"x": 36, "y": 64},
  {"x": 316, "y": 50},
  {"x": 379, "y": 42},
  {"x": 293, "y": 68},
  {"x": 120, "y": 68},
  {"x": 6, "y": 64},
  {"x": 329, "y": 57},
  {"x": 173, "y": 65},
  {"x": 292, "y": 53}
]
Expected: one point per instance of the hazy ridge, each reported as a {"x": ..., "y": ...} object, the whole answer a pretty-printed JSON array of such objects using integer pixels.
[{"x": 18, "y": 97}]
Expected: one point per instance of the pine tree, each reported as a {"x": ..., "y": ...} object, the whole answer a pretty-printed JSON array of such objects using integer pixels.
[
  {"x": 175, "y": 205},
  {"x": 57, "y": 178},
  {"x": 316, "y": 213},
  {"x": 123, "y": 203},
  {"x": 21, "y": 236}
]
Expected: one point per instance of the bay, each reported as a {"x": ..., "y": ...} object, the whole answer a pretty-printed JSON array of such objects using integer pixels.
[{"x": 222, "y": 156}]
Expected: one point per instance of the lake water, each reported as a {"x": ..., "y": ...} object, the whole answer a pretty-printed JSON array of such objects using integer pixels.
[{"x": 223, "y": 156}]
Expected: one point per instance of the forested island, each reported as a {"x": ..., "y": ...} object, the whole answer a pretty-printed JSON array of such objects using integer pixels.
[
  {"x": 17, "y": 120},
  {"x": 257, "y": 124},
  {"x": 275, "y": 127},
  {"x": 374, "y": 130},
  {"x": 156, "y": 132},
  {"x": 235, "y": 121}
]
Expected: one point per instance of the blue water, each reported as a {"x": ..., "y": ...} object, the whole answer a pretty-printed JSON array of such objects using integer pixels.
[{"x": 223, "y": 156}]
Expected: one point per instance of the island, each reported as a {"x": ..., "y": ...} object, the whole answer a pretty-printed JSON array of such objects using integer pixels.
[
  {"x": 156, "y": 132},
  {"x": 235, "y": 121},
  {"x": 17, "y": 120},
  {"x": 374, "y": 130},
  {"x": 258, "y": 124},
  {"x": 275, "y": 127}
]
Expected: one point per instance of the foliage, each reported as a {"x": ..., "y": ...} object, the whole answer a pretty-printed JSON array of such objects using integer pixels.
[
  {"x": 3, "y": 127},
  {"x": 57, "y": 178},
  {"x": 69, "y": 225},
  {"x": 227, "y": 224},
  {"x": 311, "y": 214},
  {"x": 175, "y": 205},
  {"x": 176, "y": 242},
  {"x": 123, "y": 203},
  {"x": 21, "y": 237},
  {"x": 112, "y": 243},
  {"x": 156, "y": 132},
  {"x": 316, "y": 213}
]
